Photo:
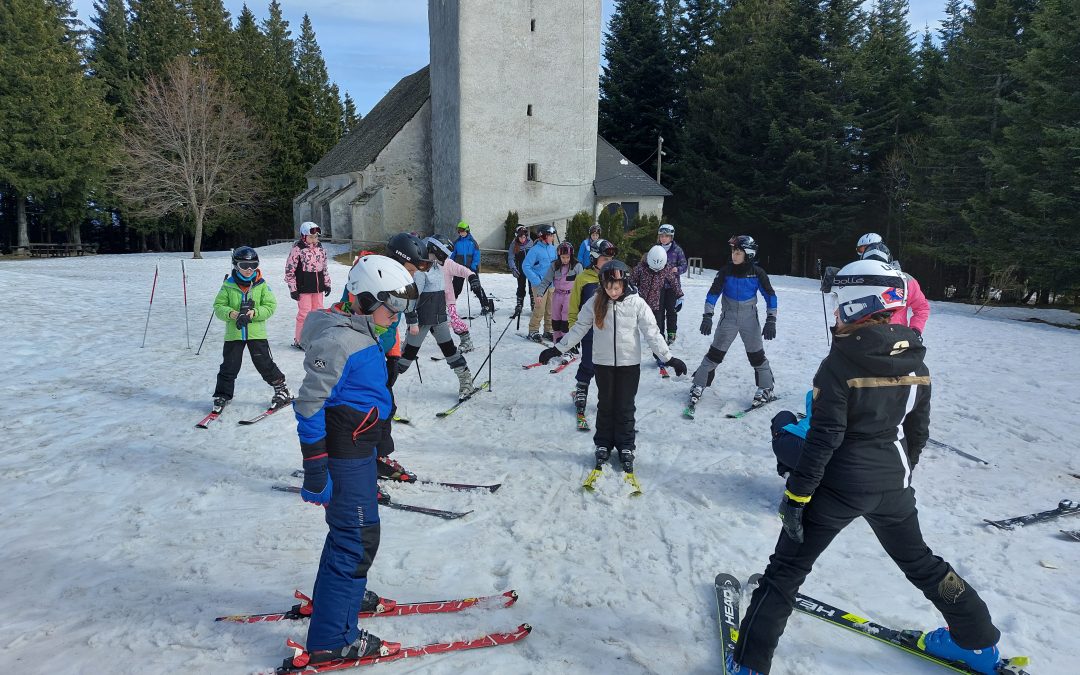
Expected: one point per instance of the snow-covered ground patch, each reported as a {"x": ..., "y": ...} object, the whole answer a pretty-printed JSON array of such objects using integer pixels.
[{"x": 126, "y": 530}]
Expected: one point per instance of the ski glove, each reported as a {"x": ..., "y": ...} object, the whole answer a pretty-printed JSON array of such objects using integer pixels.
[
  {"x": 326, "y": 291},
  {"x": 791, "y": 513},
  {"x": 769, "y": 331},
  {"x": 827, "y": 279},
  {"x": 678, "y": 304},
  {"x": 548, "y": 354},
  {"x": 706, "y": 324},
  {"x": 295, "y": 295},
  {"x": 318, "y": 486},
  {"x": 243, "y": 318},
  {"x": 678, "y": 366}
]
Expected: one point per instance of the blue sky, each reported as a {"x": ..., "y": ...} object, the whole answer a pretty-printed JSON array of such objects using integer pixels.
[{"x": 369, "y": 45}]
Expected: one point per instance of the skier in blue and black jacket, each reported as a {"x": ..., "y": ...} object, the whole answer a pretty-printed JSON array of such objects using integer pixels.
[
  {"x": 736, "y": 287},
  {"x": 466, "y": 252}
]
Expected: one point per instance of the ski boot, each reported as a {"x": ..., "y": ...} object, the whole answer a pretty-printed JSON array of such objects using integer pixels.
[
  {"x": 366, "y": 645},
  {"x": 296, "y": 345},
  {"x": 376, "y": 605},
  {"x": 465, "y": 381},
  {"x": 536, "y": 337},
  {"x": 219, "y": 404},
  {"x": 282, "y": 396},
  {"x": 940, "y": 644},
  {"x": 382, "y": 497},
  {"x": 517, "y": 308},
  {"x": 735, "y": 669},
  {"x": 548, "y": 336},
  {"x": 626, "y": 457},
  {"x": 581, "y": 398},
  {"x": 695, "y": 395},
  {"x": 671, "y": 338},
  {"x": 762, "y": 396},
  {"x": 389, "y": 468},
  {"x": 465, "y": 345},
  {"x": 602, "y": 455}
]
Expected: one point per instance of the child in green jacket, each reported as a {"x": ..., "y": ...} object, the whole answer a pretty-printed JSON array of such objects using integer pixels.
[{"x": 244, "y": 303}]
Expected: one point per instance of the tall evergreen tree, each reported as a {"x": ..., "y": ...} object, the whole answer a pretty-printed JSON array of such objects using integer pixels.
[
  {"x": 211, "y": 28},
  {"x": 637, "y": 87},
  {"x": 1035, "y": 195},
  {"x": 349, "y": 116},
  {"x": 315, "y": 84},
  {"x": 109, "y": 54},
  {"x": 56, "y": 125},
  {"x": 160, "y": 31}
]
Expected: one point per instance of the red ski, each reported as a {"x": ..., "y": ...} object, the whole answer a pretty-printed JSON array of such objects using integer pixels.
[
  {"x": 559, "y": 368},
  {"x": 205, "y": 423},
  {"x": 386, "y": 608},
  {"x": 266, "y": 413},
  {"x": 299, "y": 662}
]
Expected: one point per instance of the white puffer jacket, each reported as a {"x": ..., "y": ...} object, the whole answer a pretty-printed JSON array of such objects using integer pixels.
[{"x": 618, "y": 343}]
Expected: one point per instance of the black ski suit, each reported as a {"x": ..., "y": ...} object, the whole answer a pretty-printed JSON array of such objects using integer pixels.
[{"x": 870, "y": 421}]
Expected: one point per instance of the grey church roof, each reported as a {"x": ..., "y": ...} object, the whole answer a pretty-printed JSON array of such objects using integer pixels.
[
  {"x": 616, "y": 176},
  {"x": 362, "y": 145}
]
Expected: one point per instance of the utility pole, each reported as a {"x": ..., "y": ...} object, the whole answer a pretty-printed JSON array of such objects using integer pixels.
[{"x": 659, "y": 155}]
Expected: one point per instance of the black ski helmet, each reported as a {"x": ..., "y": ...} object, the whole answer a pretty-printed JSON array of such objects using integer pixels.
[
  {"x": 407, "y": 248},
  {"x": 608, "y": 273},
  {"x": 747, "y": 244},
  {"x": 547, "y": 229},
  {"x": 602, "y": 247},
  {"x": 245, "y": 254}
]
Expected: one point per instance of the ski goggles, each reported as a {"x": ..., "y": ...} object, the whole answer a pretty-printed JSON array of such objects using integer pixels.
[
  {"x": 247, "y": 266},
  {"x": 398, "y": 300},
  {"x": 315, "y": 230}
]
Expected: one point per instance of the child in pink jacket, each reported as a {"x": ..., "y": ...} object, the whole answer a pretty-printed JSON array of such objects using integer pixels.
[
  {"x": 306, "y": 275},
  {"x": 916, "y": 300},
  {"x": 439, "y": 249}
]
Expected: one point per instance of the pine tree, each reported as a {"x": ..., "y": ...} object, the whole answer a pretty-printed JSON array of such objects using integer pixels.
[
  {"x": 637, "y": 87},
  {"x": 109, "y": 54},
  {"x": 349, "y": 116},
  {"x": 315, "y": 84},
  {"x": 1034, "y": 198},
  {"x": 56, "y": 125},
  {"x": 212, "y": 28},
  {"x": 160, "y": 31}
]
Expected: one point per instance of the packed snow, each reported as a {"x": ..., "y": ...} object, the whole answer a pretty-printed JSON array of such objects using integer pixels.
[{"x": 127, "y": 531}]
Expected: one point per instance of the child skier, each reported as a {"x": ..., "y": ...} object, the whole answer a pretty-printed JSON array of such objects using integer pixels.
[
  {"x": 429, "y": 315},
  {"x": 586, "y": 246},
  {"x": 601, "y": 252},
  {"x": 515, "y": 258},
  {"x": 738, "y": 284},
  {"x": 618, "y": 317},
  {"x": 439, "y": 250},
  {"x": 466, "y": 252},
  {"x": 244, "y": 303},
  {"x": 342, "y": 411},
  {"x": 870, "y": 422},
  {"x": 560, "y": 278},
  {"x": 657, "y": 282},
  {"x": 539, "y": 258},
  {"x": 306, "y": 275},
  {"x": 669, "y": 299},
  {"x": 876, "y": 249}
]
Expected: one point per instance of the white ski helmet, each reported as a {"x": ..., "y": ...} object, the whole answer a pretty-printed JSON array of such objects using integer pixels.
[
  {"x": 377, "y": 280},
  {"x": 866, "y": 287},
  {"x": 308, "y": 227},
  {"x": 656, "y": 258},
  {"x": 666, "y": 228},
  {"x": 867, "y": 239}
]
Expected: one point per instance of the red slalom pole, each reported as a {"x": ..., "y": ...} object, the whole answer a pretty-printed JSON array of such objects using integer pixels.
[
  {"x": 187, "y": 327},
  {"x": 152, "y": 289}
]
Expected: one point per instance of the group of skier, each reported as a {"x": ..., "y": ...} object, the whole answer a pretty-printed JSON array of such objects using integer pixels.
[{"x": 851, "y": 454}]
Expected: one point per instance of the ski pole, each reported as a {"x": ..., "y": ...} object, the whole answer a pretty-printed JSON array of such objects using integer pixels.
[
  {"x": 187, "y": 326},
  {"x": 824, "y": 310},
  {"x": 207, "y": 331},
  {"x": 418, "y": 369},
  {"x": 491, "y": 350},
  {"x": 153, "y": 287},
  {"x": 490, "y": 320},
  {"x": 468, "y": 305}
]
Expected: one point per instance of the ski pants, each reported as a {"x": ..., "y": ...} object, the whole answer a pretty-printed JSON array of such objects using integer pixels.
[
  {"x": 785, "y": 445},
  {"x": 541, "y": 309},
  {"x": 521, "y": 281},
  {"x": 616, "y": 390},
  {"x": 667, "y": 320},
  {"x": 456, "y": 324},
  {"x": 585, "y": 369},
  {"x": 895, "y": 521},
  {"x": 744, "y": 323},
  {"x": 351, "y": 544},
  {"x": 305, "y": 304},
  {"x": 560, "y": 313},
  {"x": 232, "y": 356},
  {"x": 441, "y": 332}
]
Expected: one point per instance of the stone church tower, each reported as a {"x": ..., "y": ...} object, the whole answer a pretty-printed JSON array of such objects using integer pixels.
[{"x": 514, "y": 95}]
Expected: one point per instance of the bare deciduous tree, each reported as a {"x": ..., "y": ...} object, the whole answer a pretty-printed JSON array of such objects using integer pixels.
[{"x": 190, "y": 149}]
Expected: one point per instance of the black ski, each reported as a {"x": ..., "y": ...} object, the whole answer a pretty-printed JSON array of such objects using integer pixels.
[
  {"x": 466, "y": 397},
  {"x": 1072, "y": 534},
  {"x": 438, "y": 513},
  {"x": 907, "y": 640},
  {"x": 752, "y": 408},
  {"x": 266, "y": 413},
  {"x": 1066, "y": 507},
  {"x": 728, "y": 595},
  {"x": 946, "y": 446},
  {"x": 299, "y": 473},
  {"x": 537, "y": 342}
]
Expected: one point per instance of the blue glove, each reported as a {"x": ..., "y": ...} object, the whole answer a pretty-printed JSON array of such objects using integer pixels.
[
  {"x": 318, "y": 486},
  {"x": 678, "y": 304},
  {"x": 791, "y": 513}
]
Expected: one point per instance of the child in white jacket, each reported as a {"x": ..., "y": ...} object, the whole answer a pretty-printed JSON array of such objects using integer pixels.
[
  {"x": 439, "y": 250},
  {"x": 618, "y": 317}
]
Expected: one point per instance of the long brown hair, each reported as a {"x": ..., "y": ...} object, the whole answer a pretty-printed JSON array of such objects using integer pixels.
[
  {"x": 878, "y": 319},
  {"x": 600, "y": 303}
]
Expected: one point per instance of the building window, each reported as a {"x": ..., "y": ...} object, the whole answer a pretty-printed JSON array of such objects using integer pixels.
[
  {"x": 528, "y": 110},
  {"x": 532, "y": 25},
  {"x": 530, "y": 171}
]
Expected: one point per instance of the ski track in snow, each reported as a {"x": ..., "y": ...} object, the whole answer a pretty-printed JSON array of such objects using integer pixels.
[{"x": 127, "y": 530}]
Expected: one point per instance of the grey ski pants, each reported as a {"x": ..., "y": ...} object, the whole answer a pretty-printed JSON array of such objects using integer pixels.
[{"x": 743, "y": 322}]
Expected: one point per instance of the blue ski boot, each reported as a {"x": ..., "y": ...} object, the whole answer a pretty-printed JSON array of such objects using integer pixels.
[{"x": 940, "y": 643}]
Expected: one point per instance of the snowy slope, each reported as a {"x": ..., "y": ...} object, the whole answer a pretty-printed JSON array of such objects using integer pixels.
[{"x": 126, "y": 530}]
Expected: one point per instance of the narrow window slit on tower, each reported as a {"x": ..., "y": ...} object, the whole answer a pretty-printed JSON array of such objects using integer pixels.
[
  {"x": 528, "y": 110},
  {"x": 530, "y": 173},
  {"x": 532, "y": 25}
]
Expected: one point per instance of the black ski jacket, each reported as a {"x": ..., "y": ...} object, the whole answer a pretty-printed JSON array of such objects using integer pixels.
[{"x": 871, "y": 413}]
